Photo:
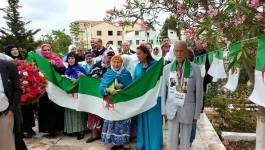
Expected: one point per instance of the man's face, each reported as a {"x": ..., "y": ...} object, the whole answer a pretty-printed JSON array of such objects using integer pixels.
[
  {"x": 125, "y": 47},
  {"x": 179, "y": 51},
  {"x": 166, "y": 42},
  {"x": 98, "y": 44}
]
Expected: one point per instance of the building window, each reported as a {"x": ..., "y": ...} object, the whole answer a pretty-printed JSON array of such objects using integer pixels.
[
  {"x": 151, "y": 41},
  {"x": 171, "y": 32},
  {"x": 137, "y": 42},
  {"x": 147, "y": 34},
  {"x": 110, "y": 42},
  {"x": 119, "y": 43},
  {"x": 99, "y": 33},
  {"x": 110, "y": 33},
  {"x": 136, "y": 33},
  {"x": 131, "y": 42},
  {"x": 119, "y": 33}
]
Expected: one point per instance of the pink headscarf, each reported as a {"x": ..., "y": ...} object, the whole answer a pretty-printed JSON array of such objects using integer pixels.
[{"x": 52, "y": 57}]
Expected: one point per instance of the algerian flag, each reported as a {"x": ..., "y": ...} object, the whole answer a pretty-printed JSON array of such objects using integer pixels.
[
  {"x": 138, "y": 97},
  {"x": 258, "y": 93},
  {"x": 233, "y": 76},
  {"x": 200, "y": 61},
  {"x": 217, "y": 70}
]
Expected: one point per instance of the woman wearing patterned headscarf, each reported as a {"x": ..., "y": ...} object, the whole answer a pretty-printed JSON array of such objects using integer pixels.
[
  {"x": 116, "y": 133},
  {"x": 51, "y": 116}
]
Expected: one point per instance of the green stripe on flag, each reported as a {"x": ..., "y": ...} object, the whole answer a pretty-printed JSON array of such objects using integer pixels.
[
  {"x": 210, "y": 57},
  {"x": 200, "y": 60},
  {"x": 139, "y": 87},
  {"x": 46, "y": 68},
  {"x": 219, "y": 54},
  {"x": 90, "y": 86},
  {"x": 260, "y": 60}
]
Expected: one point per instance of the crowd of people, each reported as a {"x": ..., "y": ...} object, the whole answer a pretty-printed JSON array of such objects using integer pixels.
[{"x": 180, "y": 102}]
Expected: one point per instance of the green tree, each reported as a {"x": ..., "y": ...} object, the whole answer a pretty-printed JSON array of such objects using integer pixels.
[
  {"x": 75, "y": 32},
  {"x": 59, "y": 41},
  {"x": 16, "y": 33},
  {"x": 170, "y": 23}
]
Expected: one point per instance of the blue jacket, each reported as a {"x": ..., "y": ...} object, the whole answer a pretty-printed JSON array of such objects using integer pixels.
[
  {"x": 139, "y": 69},
  {"x": 124, "y": 77},
  {"x": 72, "y": 71}
]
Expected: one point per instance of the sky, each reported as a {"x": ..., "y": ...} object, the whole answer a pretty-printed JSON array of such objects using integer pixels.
[
  {"x": 57, "y": 14},
  {"x": 50, "y": 15}
]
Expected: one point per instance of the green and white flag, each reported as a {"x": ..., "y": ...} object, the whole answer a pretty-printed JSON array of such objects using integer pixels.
[
  {"x": 200, "y": 61},
  {"x": 258, "y": 94},
  {"x": 83, "y": 94},
  {"x": 233, "y": 76},
  {"x": 217, "y": 70}
]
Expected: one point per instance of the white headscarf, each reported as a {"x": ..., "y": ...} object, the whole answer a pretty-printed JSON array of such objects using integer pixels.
[
  {"x": 159, "y": 55},
  {"x": 130, "y": 62},
  {"x": 71, "y": 47}
]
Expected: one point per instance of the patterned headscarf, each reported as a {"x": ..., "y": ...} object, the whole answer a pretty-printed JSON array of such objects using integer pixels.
[
  {"x": 105, "y": 58},
  {"x": 52, "y": 57}
]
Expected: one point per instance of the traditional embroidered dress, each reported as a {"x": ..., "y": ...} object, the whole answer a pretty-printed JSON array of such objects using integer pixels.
[{"x": 115, "y": 132}]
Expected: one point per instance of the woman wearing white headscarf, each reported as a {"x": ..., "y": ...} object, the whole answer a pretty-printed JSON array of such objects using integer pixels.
[
  {"x": 71, "y": 48},
  {"x": 157, "y": 52}
]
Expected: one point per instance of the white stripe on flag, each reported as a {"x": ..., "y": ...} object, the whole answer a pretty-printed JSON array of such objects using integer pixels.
[
  {"x": 258, "y": 94},
  {"x": 95, "y": 105},
  {"x": 232, "y": 80}
]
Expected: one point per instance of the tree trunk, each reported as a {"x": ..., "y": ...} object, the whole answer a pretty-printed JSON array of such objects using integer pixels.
[{"x": 260, "y": 130}]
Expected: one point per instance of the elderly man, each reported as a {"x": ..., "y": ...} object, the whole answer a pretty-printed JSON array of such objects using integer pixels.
[
  {"x": 99, "y": 48},
  {"x": 182, "y": 94},
  {"x": 126, "y": 49}
]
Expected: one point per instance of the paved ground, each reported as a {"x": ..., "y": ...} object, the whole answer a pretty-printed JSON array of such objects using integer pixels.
[{"x": 70, "y": 143}]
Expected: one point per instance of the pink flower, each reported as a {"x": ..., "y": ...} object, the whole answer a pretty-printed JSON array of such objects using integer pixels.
[
  {"x": 212, "y": 12},
  {"x": 254, "y": 4},
  {"x": 180, "y": 9},
  {"x": 239, "y": 20},
  {"x": 190, "y": 32},
  {"x": 258, "y": 16},
  {"x": 263, "y": 30}
]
